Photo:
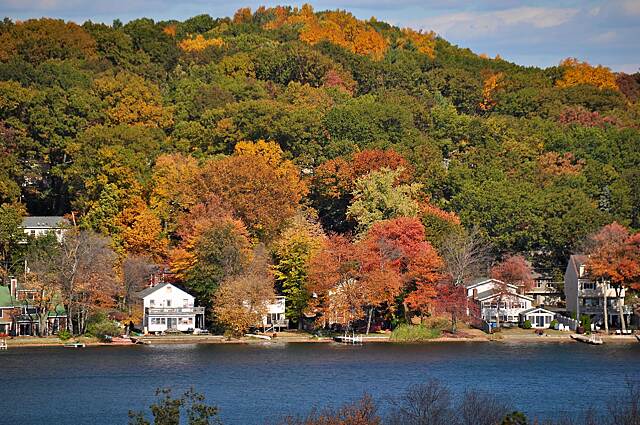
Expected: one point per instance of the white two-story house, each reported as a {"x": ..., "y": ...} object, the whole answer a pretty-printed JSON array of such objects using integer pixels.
[
  {"x": 585, "y": 295},
  {"x": 495, "y": 297},
  {"x": 167, "y": 307},
  {"x": 275, "y": 318},
  {"x": 42, "y": 225}
]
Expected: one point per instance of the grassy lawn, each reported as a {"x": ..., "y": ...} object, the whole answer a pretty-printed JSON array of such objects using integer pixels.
[{"x": 414, "y": 333}]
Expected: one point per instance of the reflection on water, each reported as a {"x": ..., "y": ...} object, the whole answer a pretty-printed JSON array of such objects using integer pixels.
[{"x": 253, "y": 383}]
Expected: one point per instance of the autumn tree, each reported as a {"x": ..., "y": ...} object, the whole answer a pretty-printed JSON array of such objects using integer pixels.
[
  {"x": 333, "y": 278},
  {"x": 377, "y": 196},
  {"x": 136, "y": 273},
  {"x": 614, "y": 257},
  {"x": 292, "y": 253},
  {"x": 264, "y": 197},
  {"x": 129, "y": 99},
  {"x": 576, "y": 73},
  {"x": 175, "y": 182},
  {"x": 140, "y": 231},
  {"x": 397, "y": 258},
  {"x": 241, "y": 301},
  {"x": 213, "y": 246},
  {"x": 83, "y": 266}
]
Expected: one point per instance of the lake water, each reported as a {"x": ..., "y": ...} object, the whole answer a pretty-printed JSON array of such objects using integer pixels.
[{"x": 254, "y": 383}]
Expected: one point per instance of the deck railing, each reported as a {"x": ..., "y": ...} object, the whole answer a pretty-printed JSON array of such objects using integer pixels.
[{"x": 175, "y": 310}]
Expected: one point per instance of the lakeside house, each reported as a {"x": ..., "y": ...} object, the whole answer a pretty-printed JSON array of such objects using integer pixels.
[
  {"x": 585, "y": 295},
  {"x": 20, "y": 317},
  {"x": 545, "y": 291},
  {"x": 42, "y": 225},
  {"x": 275, "y": 319},
  {"x": 538, "y": 317},
  {"x": 495, "y": 297},
  {"x": 167, "y": 307}
]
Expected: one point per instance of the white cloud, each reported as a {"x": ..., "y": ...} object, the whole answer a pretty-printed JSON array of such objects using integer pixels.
[
  {"x": 489, "y": 22},
  {"x": 605, "y": 37}
]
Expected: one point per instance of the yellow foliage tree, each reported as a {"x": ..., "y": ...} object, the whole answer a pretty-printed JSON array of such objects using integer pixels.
[
  {"x": 130, "y": 99},
  {"x": 199, "y": 43},
  {"x": 141, "y": 231},
  {"x": 489, "y": 87},
  {"x": 576, "y": 73},
  {"x": 424, "y": 42}
]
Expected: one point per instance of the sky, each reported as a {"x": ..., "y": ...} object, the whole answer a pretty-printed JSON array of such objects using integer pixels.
[{"x": 538, "y": 33}]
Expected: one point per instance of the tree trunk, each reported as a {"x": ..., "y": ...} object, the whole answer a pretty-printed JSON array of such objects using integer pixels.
[
  {"x": 498, "y": 313},
  {"x": 369, "y": 320},
  {"x": 606, "y": 308},
  {"x": 454, "y": 322}
]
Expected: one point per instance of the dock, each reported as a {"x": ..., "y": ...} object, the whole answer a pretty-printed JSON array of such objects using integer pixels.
[
  {"x": 593, "y": 339},
  {"x": 347, "y": 339}
]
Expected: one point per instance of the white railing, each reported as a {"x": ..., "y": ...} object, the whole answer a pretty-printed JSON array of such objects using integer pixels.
[
  {"x": 567, "y": 321},
  {"x": 176, "y": 310}
]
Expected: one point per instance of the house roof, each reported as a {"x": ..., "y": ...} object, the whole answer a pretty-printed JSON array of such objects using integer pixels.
[
  {"x": 6, "y": 300},
  {"x": 491, "y": 293},
  {"x": 44, "y": 222},
  {"x": 483, "y": 280},
  {"x": 146, "y": 292},
  {"x": 531, "y": 310}
]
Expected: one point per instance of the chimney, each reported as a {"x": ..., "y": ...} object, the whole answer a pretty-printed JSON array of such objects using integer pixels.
[{"x": 13, "y": 287}]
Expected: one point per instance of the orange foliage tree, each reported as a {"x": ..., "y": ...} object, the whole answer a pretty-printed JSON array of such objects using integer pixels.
[
  {"x": 490, "y": 85},
  {"x": 424, "y": 42},
  {"x": 140, "y": 231},
  {"x": 199, "y": 43},
  {"x": 614, "y": 257},
  {"x": 576, "y": 73}
]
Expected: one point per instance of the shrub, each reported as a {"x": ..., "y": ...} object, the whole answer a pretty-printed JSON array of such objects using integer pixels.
[
  {"x": 64, "y": 334},
  {"x": 527, "y": 324},
  {"x": 102, "y": 327},
  {"x": 553, "y": 324},
  {"x": 585, "y": 321},
  {"x": 414, "y": 333}
]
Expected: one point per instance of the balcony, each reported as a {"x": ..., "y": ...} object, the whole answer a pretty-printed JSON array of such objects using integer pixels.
[
  {"x": 174, "y": 311},
  {"x": 598, "y": 309}
]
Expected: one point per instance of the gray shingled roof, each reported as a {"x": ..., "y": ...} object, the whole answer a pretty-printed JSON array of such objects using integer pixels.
[
  {"x": 151, "y": 289},
  {"x": 44, "y": 222}
]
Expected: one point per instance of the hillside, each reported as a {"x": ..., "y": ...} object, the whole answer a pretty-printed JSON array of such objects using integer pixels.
[{"x": 136, "y": 128}]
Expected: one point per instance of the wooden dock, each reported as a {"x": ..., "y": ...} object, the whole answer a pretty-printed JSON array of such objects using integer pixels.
[{"x": 593, "y": 339}]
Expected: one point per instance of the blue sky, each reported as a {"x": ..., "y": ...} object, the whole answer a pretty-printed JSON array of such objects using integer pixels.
[{"x": 537, "y": 33}]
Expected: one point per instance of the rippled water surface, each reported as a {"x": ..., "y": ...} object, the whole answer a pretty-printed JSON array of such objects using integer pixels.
[{"x": 256, "y": 383}]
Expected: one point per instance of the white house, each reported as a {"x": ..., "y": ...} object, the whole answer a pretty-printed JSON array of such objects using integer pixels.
[
  {"x": 538, "y": 316},
  {"x": 168, "y": 307},
  {"x": 275, "y": 318},
  {"x": 493, "y": 296},
  {"x": 40, "y": 226}
]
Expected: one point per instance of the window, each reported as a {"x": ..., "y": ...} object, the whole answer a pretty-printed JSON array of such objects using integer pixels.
[
  {"x": 163, "y": 320},
  {"x": 168, "y": 303},
  {"x": 185, "y": 302},
  {"x": 588, "y": 285},
  {"x": 152, "y": 302}
]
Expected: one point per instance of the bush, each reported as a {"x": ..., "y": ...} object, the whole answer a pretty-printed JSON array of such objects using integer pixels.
[
  {"x": 414, "y": 333},
  {"x": 527, "y": 324},
  {"x": 585, "y": 321},
  {"x": 64, "y": 334},
  {"x": 554, "y": 324},
  {"x": 102, "y": 327}
]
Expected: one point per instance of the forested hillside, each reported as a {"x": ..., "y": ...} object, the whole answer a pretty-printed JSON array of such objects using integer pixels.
[{"x": 178, "y": 140}]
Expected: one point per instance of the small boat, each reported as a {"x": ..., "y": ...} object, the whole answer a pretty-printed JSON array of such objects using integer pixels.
[
  {"x": 75, "y": 345},
  {"x": 593, "y": 339},
  {"x": 267, "y": 337}
]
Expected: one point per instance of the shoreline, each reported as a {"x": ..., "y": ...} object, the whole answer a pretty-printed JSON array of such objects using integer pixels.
[{"x": 32, "y": 342}]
